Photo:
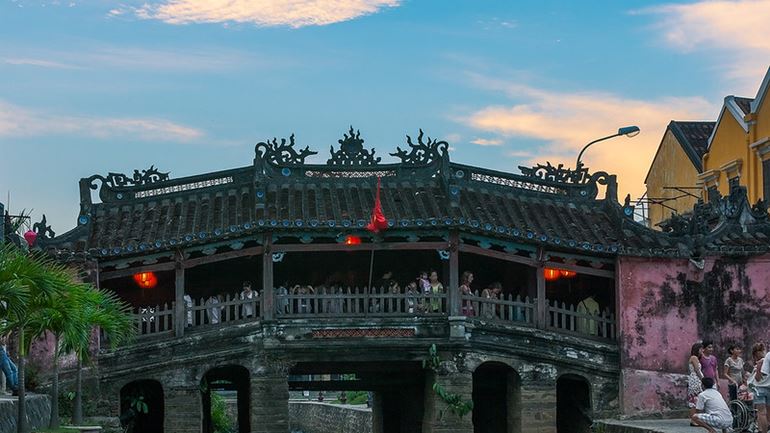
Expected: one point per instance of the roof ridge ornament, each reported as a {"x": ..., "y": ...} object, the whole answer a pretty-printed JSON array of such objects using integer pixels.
[
  {"x": 352, "y": 152},
  {"x": 282, "y": 153},
  {"x": 120, "y": 180},
  {"x": 422, "y": 153},
  {"x": 557, "y": 173}
]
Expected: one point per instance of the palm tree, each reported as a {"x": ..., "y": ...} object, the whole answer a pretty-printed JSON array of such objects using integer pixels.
[
  {"x": 28, "y": 282},
  {"x": 100, "y": 310},
  {"x": 61, "y": 317}
]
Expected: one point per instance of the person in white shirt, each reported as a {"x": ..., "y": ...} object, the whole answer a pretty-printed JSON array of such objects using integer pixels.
[
  {"x": 188, "y": 303},
  {"x": 247, "y": 309},
  {"x": 712, "y": 411},
  {"x": 213, "y": 309}
]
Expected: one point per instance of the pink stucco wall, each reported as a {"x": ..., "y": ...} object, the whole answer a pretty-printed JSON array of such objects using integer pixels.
[{"x": 667, "y": 305}]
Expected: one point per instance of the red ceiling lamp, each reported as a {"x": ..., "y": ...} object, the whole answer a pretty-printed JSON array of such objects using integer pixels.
[
  {"x": 146, "y": 280},
  {"x": 567, "y": 274},
  {"x": 551, "y": 274},
  {"x": 352, "y": 240}
]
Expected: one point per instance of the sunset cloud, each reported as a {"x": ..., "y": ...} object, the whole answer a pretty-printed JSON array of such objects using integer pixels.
[
  {"x": 487, "y": 142},
  {"x": 564, "y": 122},
  {"x": 735, "y": 31},
  {"x": 17, "y": 121},
  {"x": 291, "y": 13}
]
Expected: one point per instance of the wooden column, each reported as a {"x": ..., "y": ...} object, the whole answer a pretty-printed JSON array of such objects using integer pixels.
[
  {"x": 268, "y": 292},
  {"x": 541, "y": 319},
  {"x": 180, "y": 313},
  {"x": 453, "y": 291}
]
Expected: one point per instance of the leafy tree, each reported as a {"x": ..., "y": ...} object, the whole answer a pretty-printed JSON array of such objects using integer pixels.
[
  {"x": 28, "y": 282},
  {"x": 103, "y": 310}
]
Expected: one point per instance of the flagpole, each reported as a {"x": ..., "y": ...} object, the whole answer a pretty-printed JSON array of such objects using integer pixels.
[{"x": 371, "y": 268}]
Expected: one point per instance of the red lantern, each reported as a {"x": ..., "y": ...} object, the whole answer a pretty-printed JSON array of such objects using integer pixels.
[
  {"x": 567, "y": 274},
  {"x": 146, "y": 280},
  {"x": 30, "y": 237},
  {"x": 551, "y": 274},
  {"x": 352, "y": 240}
]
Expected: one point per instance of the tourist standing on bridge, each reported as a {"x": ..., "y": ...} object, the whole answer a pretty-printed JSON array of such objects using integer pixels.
[
  {"x": 695, "y": 374},
  {"x": 713, "y": 412},
  {"x": 759, "y": 381},
  {"x": 734, "y": 371},
  {"x": 488, "y": 309},
  {"x": 465, "y": 290},
  {"x": 213, "y": 309},
  {"x": 435, "y": 288},
  {"x": 709, "y": 363},
  {"x": 247, "y": 309}
]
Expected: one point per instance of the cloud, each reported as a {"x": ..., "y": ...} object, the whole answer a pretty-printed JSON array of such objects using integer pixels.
[
  {"x": 487, "y": 141},
  {"x": 264, "y": 13},
  {"x": 736, "y": 29},
  {"x": 200, "y": 59},
  {"x": 20, "y": 61},
  {"x": 563, "y": 122},
  {"x": 17, "y": 121}
]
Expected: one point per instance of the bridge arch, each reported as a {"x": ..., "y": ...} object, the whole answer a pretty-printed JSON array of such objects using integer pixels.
[
  {"x": 496, "y": 398},
  {"x": 142, "y": 403},
  {"x": 223, "y": 381},
  {"x": 573, "y": 404}
]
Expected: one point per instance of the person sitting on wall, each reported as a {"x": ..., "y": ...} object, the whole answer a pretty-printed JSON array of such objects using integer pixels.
[
  {"x": 712, "y": 411},
  {"x": 9, "y": 370}
]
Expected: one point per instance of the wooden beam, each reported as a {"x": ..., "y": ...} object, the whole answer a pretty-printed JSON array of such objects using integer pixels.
[
  {"x": 179, "y": 305},
  {"x": 268, "y": 292},
  {"x": 541, "y": 320},
  {"x": 502, "y": 255},
  {"x": 453, "y": 291},
  {"x": 395, "y": 246},
  {"x": 582, "y": 269},
  {"x": 120, "y": 273},
  {"x": 245, "y": 252}
]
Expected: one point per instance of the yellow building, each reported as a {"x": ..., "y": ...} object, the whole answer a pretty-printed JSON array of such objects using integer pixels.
[
  {"x": 739, "y": 148},
  {"x": 673, "y": 175}
]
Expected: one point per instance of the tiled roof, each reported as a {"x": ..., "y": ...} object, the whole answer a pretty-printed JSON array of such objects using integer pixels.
[
  {"x": 744, "y": 104},
  {"x": 545, "y": 205}
]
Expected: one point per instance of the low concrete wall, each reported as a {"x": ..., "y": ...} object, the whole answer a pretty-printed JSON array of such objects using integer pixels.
[
  {"x": 314, "y": 417},
  {"x": 38, "y": 412}
]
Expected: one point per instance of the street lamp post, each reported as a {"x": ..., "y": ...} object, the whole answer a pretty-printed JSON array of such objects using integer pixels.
[{"x": 628, "y": 131}]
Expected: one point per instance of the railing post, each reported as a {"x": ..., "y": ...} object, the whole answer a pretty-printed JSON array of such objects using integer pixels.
[
  {"x": 453, "y": 291},
  {"x": 541, "y": 318},
  {"x": 179, "y": 304},
  {"x": 268, "y": 294}
]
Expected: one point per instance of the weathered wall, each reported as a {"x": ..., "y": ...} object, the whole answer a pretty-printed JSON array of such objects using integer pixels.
[
  {"x": 38, "y": 412},
  {"x": 667, "y": 305},
  {"x": 314, "y": 417}
]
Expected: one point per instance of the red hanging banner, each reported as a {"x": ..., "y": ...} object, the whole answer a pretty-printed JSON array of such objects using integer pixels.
[{"x": 378, "y": 222}]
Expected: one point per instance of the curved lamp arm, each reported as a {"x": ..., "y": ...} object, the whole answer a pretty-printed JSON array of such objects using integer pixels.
[{"x": 629, "y": 131}]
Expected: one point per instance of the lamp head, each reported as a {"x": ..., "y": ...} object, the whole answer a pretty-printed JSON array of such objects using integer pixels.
[{"x": 629, "y": 131}]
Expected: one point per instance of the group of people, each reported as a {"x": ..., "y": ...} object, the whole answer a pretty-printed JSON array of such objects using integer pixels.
[{"x": 748, "y": 382}]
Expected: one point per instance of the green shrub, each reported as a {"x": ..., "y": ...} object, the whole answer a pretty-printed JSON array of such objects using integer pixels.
[
  {"x": 220, "y": 419},
  {"x": 357, "y": 397}
]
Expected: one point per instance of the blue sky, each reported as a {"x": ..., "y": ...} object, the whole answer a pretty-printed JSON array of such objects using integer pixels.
[{"x": 191, "y": 86}]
